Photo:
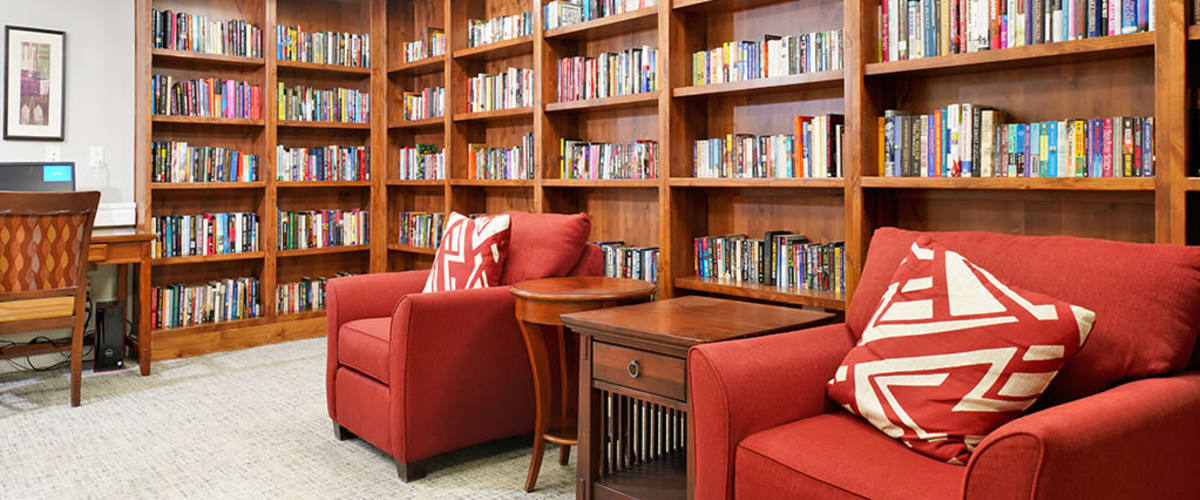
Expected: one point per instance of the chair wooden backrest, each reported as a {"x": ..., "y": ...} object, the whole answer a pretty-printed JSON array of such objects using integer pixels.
[{"x": 44, "y": 240}]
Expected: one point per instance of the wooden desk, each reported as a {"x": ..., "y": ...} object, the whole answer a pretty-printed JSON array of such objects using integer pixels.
[
  {"x": 634, "y": 434},
  {"x": 121, "y": 247}
]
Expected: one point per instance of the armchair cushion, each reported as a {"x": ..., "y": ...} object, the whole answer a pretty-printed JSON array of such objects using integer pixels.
[
  {"x": 471, "y": 254},
  {"x": 544, "y": 245},
  {"x": 363, "y": 345}
]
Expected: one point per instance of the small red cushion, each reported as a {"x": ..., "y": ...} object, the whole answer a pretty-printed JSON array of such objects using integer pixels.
[
  {"x": 952, "y": 353},
  {"x": 471, "y": 254},
  {"x": 544, "y": 245}
]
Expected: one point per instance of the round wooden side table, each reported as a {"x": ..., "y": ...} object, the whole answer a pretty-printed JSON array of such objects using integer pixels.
[{"x": 553, "y": 353}]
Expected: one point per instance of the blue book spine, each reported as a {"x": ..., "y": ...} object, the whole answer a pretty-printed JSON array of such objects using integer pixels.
[
  {"x": 897, "y": 171},
  {"x": 1129, "y": 16},
  {"x": 1029, "y": 13},
  {"x": 1143, "y": 15},
  {"x": 1148, "y": 147},
  {"x": 1027, "y": 144},
  {"x": 1022, "y": 149},
  {"x": 1052, "y": 158},
  {"x": 931, "y": 34}
]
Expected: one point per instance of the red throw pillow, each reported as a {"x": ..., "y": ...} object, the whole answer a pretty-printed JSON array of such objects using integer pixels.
[
  {"x": 952, "y": 353},
  {"x": 471, "y": 254},
  {"x": 544, "y": 245}
]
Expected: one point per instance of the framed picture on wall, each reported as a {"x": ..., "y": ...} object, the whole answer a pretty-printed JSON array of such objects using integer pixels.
[{"x": 33, "y": 83}]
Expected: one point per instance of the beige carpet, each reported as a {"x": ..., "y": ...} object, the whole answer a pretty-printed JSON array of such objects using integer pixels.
[{"x": 243, "y": 424}]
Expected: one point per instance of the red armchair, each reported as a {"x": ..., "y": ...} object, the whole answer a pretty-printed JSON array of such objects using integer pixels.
[
  {"x": 1121, "y": 420},
  {"x": 419, "y": 374}
]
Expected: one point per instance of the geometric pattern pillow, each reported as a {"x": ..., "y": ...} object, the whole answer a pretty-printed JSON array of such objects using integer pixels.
[
  {"x": 471, "y": 254},
  {"x": 952, "y": 353}
]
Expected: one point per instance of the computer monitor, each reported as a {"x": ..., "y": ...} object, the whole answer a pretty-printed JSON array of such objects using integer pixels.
[{"x": 30, "y": 176}]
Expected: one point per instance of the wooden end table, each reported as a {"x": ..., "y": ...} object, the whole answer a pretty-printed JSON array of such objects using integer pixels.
[
  {"x": 634, "y": 432},
  {"x": 539, "y": 303}
]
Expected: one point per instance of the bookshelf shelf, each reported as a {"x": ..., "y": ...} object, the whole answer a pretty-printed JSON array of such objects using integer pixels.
[
  {"x": 607, "y": 26},
  {"x": 499, "y": 114},
  {"x": 397, "y": 247},
  {"x": 493, "y": 182},
  {"x": 1193, "y": 32},
  {"x": 424, "y": 66},
  {"x": 427, "y": 123},
  {"x": 1013, "y": 183},
  {"x": 769, "y": 183},
  {"x": 712, "y": 6},
  {"x": 601, "y": 183},
  {"x": 606, "y": 103},
  {"x": 323, "y": 184},
  {"x": 415, "y": 182},
  {"x": 499, "y": 50},
  {"x": 803, "y": 81},
  {"x": 1193, "y": 183},
  {"x": 183, "y": 57},
  {"x": 333, "y": 70},
  {"x": 212, "y": 327},
  {"x": 300, "y": 252},
  {"x": 793, "y": 296},
  {"x": 301, "y": 315},
  {"x": 204, "y": 259},
  {"x": 203, "y": 120},
  {"x": 1022, "y": 57},
  {"x": 325, "y": 125},
  {"x": 189, "y": 186}
]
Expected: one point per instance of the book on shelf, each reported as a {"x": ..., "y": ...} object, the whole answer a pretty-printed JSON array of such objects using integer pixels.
[
  {"x": 322, "y": 228},
  {"x": 229, "y": 299},
  {"x": 511, "y": 89},
  {"x": 430, "y": 102},
  {"x": 310, "y": 104},
  {"x": 610, "y": 74},
  {"x": 421, "y": 229},
  {"x": 623, "y": 261},
  {"x": 561, "y": 13},
  {"x": 964, "y": 140},
  {"x": 770, "y": 56},
  {"x": 204, "y": 234},
  {"x": 178, "y": 161},
  {"x": 308, "y": 294},
  {"x": 501, "y": 163},
  {"x": 498, "y": 29},
  {"x": 323, "y": 163},
  {"x": 780, "y": 258},
  {"x": 598, "y": 160},
  {"x": 198, "y": 33},
  {"x": 432, "y": 44},
  {"x": 292, "y": 43},
  {"x": 205, "y": 97},
  {"x": 813, "y": 150},
  {"x": 422, "y": 162},
  {"x": 913, "y": 30}
]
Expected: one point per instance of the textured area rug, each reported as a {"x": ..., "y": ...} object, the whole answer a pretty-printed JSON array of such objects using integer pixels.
[{"x": 241, "y": 424}]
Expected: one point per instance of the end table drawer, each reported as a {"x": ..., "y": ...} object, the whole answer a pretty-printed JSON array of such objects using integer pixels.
[{"x": 641, "y": 370}]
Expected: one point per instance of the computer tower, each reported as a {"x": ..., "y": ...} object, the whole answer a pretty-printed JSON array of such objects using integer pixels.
[{"x": 110, "y": 337}]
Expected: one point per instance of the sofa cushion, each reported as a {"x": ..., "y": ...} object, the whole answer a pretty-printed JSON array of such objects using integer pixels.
[
  {"x": 952, "y": 353},
  {"x": 363, "y": 345},
  {"x": 837, "y": 455},
  {"x": 544, "y": 245},
  {"x": 1146, "y": 297},
  {"x": 471, "y": 254}
]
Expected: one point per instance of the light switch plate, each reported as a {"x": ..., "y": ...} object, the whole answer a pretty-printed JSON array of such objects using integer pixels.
[{"x": 53, "y": 153}]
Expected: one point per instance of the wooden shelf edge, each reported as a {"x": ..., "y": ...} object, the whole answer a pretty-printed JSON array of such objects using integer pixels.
[
  {"x": 644, "y": 98},
  {"x": 204, "y": 120},
  {"x": 498, "y": 114},
  {"x": 503, "y": 48},
  {"x": 185, "y": 186},
  {"x": 493, "y": 182},
  {"x": 325, "y": 125},
  {"x": 606, "y": 26},
  {"x": 1193, "y": 184},
  {"x": 301, "y": 252},
  {"x": 601, "y": 183},
  {"x": 203, "y": 259},
  {"x": 399, "y": 247},
  {"x": 206, "y": 327},
  {"x": 1019, "y": 56},
  {"x": 776, "y": 83},
  {"x": 1014, "y": 183},
  {"x": 323, "y": 68},
  {"x": 322, "y": 184},
  {"x": 415, "y": 182},
  {"x": 794, "y": 296},
  {"x": 769, "y": 182},
  {"x": 435, "y": 122},
  {"x": 1193, "y": 32},
  {"x": 201, "y": 57},
  {"x": 420, "y": 66}
]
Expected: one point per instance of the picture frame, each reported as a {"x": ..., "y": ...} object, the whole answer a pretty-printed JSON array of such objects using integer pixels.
[{"x": 34, "y": 83}]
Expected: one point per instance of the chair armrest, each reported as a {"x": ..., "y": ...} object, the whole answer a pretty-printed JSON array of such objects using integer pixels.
[
  {"x": 741, "y": 387},
  {"x": 1136, "y": 440},
  {"x": 458, "y": 358}
]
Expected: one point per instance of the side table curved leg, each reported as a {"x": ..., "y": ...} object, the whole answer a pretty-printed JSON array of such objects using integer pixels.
[{"x": 539, "y": 361}]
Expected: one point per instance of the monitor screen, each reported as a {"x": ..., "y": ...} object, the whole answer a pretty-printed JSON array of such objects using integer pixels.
[{"x": 58, "y": 176}]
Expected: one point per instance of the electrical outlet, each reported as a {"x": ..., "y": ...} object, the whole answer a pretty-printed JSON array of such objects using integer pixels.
[
  {"x": 96, "y": 156},
  {"x": 53, "y": 153}
]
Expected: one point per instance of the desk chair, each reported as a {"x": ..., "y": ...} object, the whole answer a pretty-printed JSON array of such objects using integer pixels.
[{"x": 43, "y": 265}]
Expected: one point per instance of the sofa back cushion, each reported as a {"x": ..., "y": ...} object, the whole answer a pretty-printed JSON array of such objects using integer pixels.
[
  {"x": 1146, "y": 297},
  {"x": 544, "y": 245}
]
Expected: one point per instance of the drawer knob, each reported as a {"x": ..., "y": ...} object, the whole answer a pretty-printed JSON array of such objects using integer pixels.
[{"x": 633, "y": 369}]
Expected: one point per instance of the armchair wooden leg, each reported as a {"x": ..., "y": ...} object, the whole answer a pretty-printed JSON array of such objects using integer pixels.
[
  {"x": 341, "y": 433},
  {"x": 412, "y": 471}
]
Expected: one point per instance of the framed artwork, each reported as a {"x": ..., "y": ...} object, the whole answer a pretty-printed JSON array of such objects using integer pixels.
[{"x": 33, "y": 83}]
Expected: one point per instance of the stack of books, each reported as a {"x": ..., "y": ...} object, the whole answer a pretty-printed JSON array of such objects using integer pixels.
[
  {"x": 304, "y": 103},
  {"x": 174, "y": 306},
  {"x": 421, "y": 229},
  {"x": 197, "y": 33},
  {"x": 204, "y": 234},
  {"x": 323, "y": 228},
  {"x": 610, "y": 74},
  {"x": 308, "y": 294},
  {"x": 323, "y": 163},
  {"x": 813, "y": 150},
  {"x": 422, "y": 162},
  {"x": 499, "y": 29},
  {"x": 430, "y": 102},
  {"x": 177, "y": 161},
  {"x": 623, "y": 261},
  {"x": 500, "y": 163},
  {"x": 598, "y": 160},
  {"x": 770, "y": 56},
  {"x": 322, "y": 47},
  {"x": 432, "y": 45},
  {"x": 779, "y": 258},
  {"x": 205, "y": 97},
  {"x": 510, "y": 89},
  {"x": 560, "y": 13}
]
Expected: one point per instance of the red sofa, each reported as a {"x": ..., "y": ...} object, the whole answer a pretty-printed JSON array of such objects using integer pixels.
[
  {"x": 419, "y": 374},
  {"x": 1121, "y": 420}
]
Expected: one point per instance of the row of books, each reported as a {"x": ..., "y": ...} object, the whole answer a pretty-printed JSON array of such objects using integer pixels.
[
  {"x": 430, "y": 102},
  {"x": 197, "y": 33},
  {"x": 292, "y": 43},
  {"x": 560, "y": 13},
  {"x": 598, "y": 160},
  {"x": 813, "y": 150},
  {"x": 322, "y": 228},
  {"x": 623, "y": 261},
  {"x": 499, "y": 28},
  {"x": 779, "y": 258},
  {"x": 912, "y": 29},
  {"x": 323, "y": 163},
  {"x": 610, "y": 74},
  {"x": 963, "y": 140},
  {"x": 501, "y": 163},
  {"x": 310, "y": 104},
  {"x": 178, "y": 305},
  {"x": 432, "y": 44},
  {"x": 308, "y": 294},
  {"x": 511, "y": 89},
  {"x": 178, "y": 161},
  {"x": 422, "y": 162},
  {"x": 421, "y": 229},
  {"x": 770, "y": 56},
  {"x": 204, "y": 234},
  {"x": 205, "y": 97}
]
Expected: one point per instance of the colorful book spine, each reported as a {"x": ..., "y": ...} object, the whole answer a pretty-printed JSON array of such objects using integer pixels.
[
  {"x": 610, "y": 74},
  {"x": 421, "y": 162},
  {"x": 498, "y": 29},
  {"x": 510, "y": 89},
  {"x": 196, "y": 33},
  {"x": 323, "y": 163},
  {"x": 230, "y": 299},
  {"x": 430, "y": 102},
  {"x": 322, "y": 228},
  {"x": 597, "y": 160},
  {"x": 309, "y": 104},
  {"x": 205, "y": 98},
  {"x": 178, "y": 161},
  {"x": 204, "y": 234},
  {"x": 292, "y": 43},
  {"x": 517, "y": 162},
  {"x": 624, "y": 261},
  {"x": 421, "y": 229}
]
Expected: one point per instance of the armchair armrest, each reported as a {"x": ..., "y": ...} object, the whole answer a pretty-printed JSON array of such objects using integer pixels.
[
  {"x": 745, "y": 386},
  {"x": 369, "y": 295},
  {"x": 1137, "y": 440}
]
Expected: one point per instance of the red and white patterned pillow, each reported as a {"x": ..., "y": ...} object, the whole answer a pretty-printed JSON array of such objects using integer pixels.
[
  {"x": 471, "y": 254},
  {"x": 952, "y": 353}
]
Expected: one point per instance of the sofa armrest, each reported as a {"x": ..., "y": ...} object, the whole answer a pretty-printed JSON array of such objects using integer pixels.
[
  {"x": 458, "y": 359},
  {"x": 745, "y": 386},
  {"x": 1136, "y": 440}
]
